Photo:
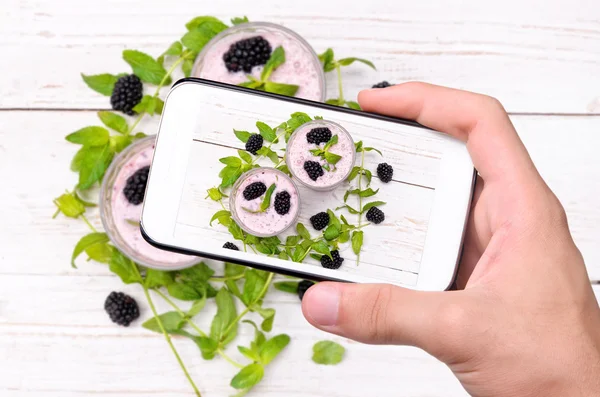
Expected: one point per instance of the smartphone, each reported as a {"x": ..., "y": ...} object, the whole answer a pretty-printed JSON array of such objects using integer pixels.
[{"x": 296, "y": 187}]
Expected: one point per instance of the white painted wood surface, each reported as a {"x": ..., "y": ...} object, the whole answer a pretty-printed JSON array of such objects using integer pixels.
[{"x": 55, "y": 339}]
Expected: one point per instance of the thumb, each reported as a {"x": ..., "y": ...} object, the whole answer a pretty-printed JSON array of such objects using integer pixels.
[{"x": 386, "y": 314}]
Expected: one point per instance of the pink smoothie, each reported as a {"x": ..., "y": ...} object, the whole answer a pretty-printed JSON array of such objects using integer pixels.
[
  {"x": 122, "y": 211},
  {"x": 268, "y": 223},
  {"x": 298, "y": 152},
  {"x": 301, "y": 68}
]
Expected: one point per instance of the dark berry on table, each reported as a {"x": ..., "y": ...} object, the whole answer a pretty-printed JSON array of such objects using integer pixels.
[
  {"x": 385, "y": 172},
  {"x": 319, "y": 135},
  {"x": 135, "y": 188},
  {"x": 231, "y": 246},
  {"x": 121, "y": 308},
  {"x": 254, "y": 190},
  {"x": 328, "y": 263},
  {"x": 383, "y": 84},
  {"x": 254, "y": 143},
  {"x": 282, "y": 202},
  {"x": 303, "y": 286},
  {"x": 313, "y": 169},
  {"x": 127, "y": 93},
  {"x": 375, "y": 215},
  {"x": 247, "y": 53},
  {"x": 320, "y": 221}
]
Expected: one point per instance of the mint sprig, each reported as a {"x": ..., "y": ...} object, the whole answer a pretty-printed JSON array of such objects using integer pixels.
[
  {"x": 276, "y": 59},
  {"x": 331, "y": 158},
  {"x": 266, "y": 203}
]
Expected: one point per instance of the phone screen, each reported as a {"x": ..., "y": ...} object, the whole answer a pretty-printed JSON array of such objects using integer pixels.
[{"x": 318, "y": 187}]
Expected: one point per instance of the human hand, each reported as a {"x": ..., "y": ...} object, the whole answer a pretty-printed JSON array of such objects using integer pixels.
[{"x": 524, "y": 321}]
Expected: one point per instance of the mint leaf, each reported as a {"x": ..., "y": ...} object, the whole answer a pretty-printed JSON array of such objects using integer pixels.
[
  {"x": 331, "y": 233},
  {"x": 353, "y": 105},
  {"x": 328, "y": 353},
  {"x": 321, "y": 247},
  {"x": 245, "y": 156},
  {"x": 259, "y": 337},
  {"x": 276, "y": 59},
  {"x": 197, "y": 21},
  {"x": 229, "y": 175},
  {"x": 368, "y": 149},
  {"x": 174, "y": 49},
  {"x": 78, "y": 159},
  {"x": 367, "y": 206},
  {"x": 357, "y": 241},
  {"x": 284, "y": 168},
  {"x": 101, "y": 253},
  {"x": 350, "y": 61},
  {"x": 114, "y": 121},
  {"x": 353, "y": 173},
  {"x": 146, "y": 67},
  {"x": 368, "y": 175},
  {"x": 287, "y": 286},
  {"x": 119, "y": 142},
  {"x": 171, "y": 321},
  {"x": 368, "y": 192},
  {"x": 124, "y": 268},
  {"x": 157, "y": 278},
  {"x": 197, "y": 307},
  {"x": 89, "y": 136},
  {"x": 201, "y": 32},
  {"x": 223, "y": 216},
  {"x": 268, "y": 316},
  {"x": 232, "y": 270},
  {"x": 333, "y": 219},
  {"x": 239, "y": 20},
  {"x": 265, "y": 151},
  {"x": 184, "y": 292},
  {"x": 358, "y": 146},
  {"x": 334, "y": 101},
  {"x": 347, "y": 207},
  {"x": 266, "y": 131},
  {"x": 150, "y": 105},
  {"x": 281, "y": 88},
  {"x": 272, "y": 347},
  {"x": 302, "y": 231},
  {"x": 231, "y": 160},
  {"x": 249, "y": 353},
  {"x": 242, "y": 135},
  {"x": 344, "y": 237},
  {"x": 195, "y": 40},
  {"x": 208, "y": 347},
  {"x": 236, "y": 231},
  {"x": 101, "y": 83},
  {"x": 327, "y": 60},
  {"x": 299, "y": 253},
  {"x": 214, "y": 194},
  {"x": 252, "y": 287},
  {"x": 332, "y": 158},
  {"x": 334, "y": 140},
  {"x": 267, "y": 200},
  {"x": 69, "y": 205},
  {"x": 94, "y": 165},
  {"x": 87, "y": 241},
  {"x": 223, "y": 320},
  {"x": 186, "y": 67},
  {"x": 248, "y": 377}
]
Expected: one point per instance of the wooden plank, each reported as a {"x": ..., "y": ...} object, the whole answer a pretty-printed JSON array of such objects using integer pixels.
[{"x": 533, "y": 59}]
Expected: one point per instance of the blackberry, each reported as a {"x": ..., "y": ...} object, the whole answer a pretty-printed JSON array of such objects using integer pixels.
[
  {"x": 375, "y": 215},
  {"x": 247, "y": 53},
  {"x": 385, "y": 172},
  {"x": 282, "y": 202},
  {"x": 383, "y": 84},
  {"x": 303, "y": 286},
  {"x": 254, "y": 190},
  {"x": 319, "y": 135},
  {"x": 231, "y": 246},
  {"x": 327, "y": 263},
  {"x": 313, "y": 169},
  {"x": 136, "y": 186},
  {"x": 254, "y": 143},
  {"x": 121, "y": 308},
  {"x": 320, "y": 221},
  {"x": 127, "y": 93}
]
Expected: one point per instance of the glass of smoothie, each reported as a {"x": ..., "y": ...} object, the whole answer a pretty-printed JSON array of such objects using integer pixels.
[
  {"x": 244, "y": 49},
  {"x": 260, "y": 217},
  {"x": 315, "y": 165},
  {"x": 121, "y": 197}
]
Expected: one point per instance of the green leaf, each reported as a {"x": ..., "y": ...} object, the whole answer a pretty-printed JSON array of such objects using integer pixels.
[
  {"x": 334, "y": 140},
  {"x": 334, "y": 101},
  {"x": 242, "y": 135},
  {"x": 223, "y": 216},
  {"x": 174, "y": 49},
  {"x": 171, "y": 321},
  {"x": 114, "y": 121},
  {"x": 230, "y": 175},
  {"x": 146, "y": 67},
  {"x": 367, "y": 206},
  {"x": 89, "y": 136},
  {"x": 276, "y": 59},
  {"x": 299, "y": 253},
  {"x": 252, "y": 287},
  {"x": 266, "y": 203},
  {"x": 223, "y": 320},
  {"x": 101, "y": 83},
  {"x": 321, "y": 247},
  {"x": 358, "y": 146},
  {"x": 94, "y": 165},
  {"x": 369, "y": 149},
  {"x": 281, "y": 88},
  {"x": 316, "y": 257},
  {"x": 368, "y": 175},
  {"x": 239, "y": 20},
  {"x": 368, "y": 192},
  {"x": 302, "y": 231},
  {"x": 236, "y": 231},
  {"x": 157, "y": 278},
  {"x": 332, "y": 232},
  {"x": 201, "y": 32},
  {"x": 186, "y": 67},
  {"x": 214, "y": 194},
  {"x": 150, "y": 105},
  {"x": 251, "y": 354},
  {"x": 259, "y": 337},
  {"x": 332, "y": 158},
  {"x": 350, "y": 61},
  {"x": 87, "y": 241},
  {"x": 266, "y": 132},
  {"x": 344, "y": 237},
  {"x": 327, "y": 59},
  {"x": 119, "y": 142},
  {"x": 208, "y": 347},
  {"x": 271, "y": 348},
  {"x": 333, "y": 219},
  {"x": 101, "y": 253},
  {"x": 78, "y": 159},
  {"x": 287, "y": 286},
  {"x": 248, "y": 377},
  {"x": 350, "y": 209},
  {"x": 268, "y": 316},
  {"x": 353, "y": 173},
  {"x": 184, "y": 292},
  {"x": 197, "y": 21},
  {"x": 353, "y": 105},
  {"x": 328, "y": 353},
  {"x": 197, "y": 307},
  {"x": 245, "y": 156},
  {"x": 357, "y": 241},
  {"x": 195, "y": 40},
  {"x": 124, "y": 268},
  {"x": 231, "y": 160},
  {"x": 69, "y": 205},
  {"x": 293, "y": 240},
  {"x": 232, "y": 270},
  {"x": 284, "y": 168},
  {"x": 265, "y": 151}
]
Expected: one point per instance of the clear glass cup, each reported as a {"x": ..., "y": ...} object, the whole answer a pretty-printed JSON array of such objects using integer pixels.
[
  {"x": 115, "y": 228},
  {"x": 302, "y": 66},
  {"x": 295, "y": 165},
  {"x": 295, "y": 201}
]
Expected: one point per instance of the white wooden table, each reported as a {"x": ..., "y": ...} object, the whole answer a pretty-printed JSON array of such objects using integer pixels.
[{"x": 541, "y": 59}]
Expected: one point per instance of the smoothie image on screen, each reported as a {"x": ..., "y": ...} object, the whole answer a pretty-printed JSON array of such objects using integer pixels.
[
  {"x": 121, "y": 208},
  {"x": 264, "y": 202},
  {"x": 243, "y": 50},
  {"x": 320, "y": 154}
]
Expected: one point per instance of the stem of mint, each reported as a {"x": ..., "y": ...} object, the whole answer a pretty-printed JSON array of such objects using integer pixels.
[
  {"x": 340, "y": 85},
  {"x": 360, "y": 206}
]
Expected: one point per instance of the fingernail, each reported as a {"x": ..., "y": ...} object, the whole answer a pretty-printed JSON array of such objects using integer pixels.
[{"x": 324, "y": 302}]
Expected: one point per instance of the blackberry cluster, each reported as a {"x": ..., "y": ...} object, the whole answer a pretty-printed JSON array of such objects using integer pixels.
[
  {"x": 254, "y": 190},
  {"x": 383, "y": 84},
  {"x": 327, "y": 263},
  {"x": 282, "y": 202},
  {"x": 247, "y": 53},
  {"x": 303, "y": 286},
  {"x": 135, "y": 188},
  {"x": 127, "y": 93},
  {"x": 320, "y": 221},
  {"x": 231, "y": 246},
  {"x": 385, "y": 172},
  {"x": 319, "y": 135},
  {"x": 375, "y": 215},
  {"x": 254, "y": 143},
  {"x": 121, "y": 308},
  {"x": 313, "y": 169}
]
